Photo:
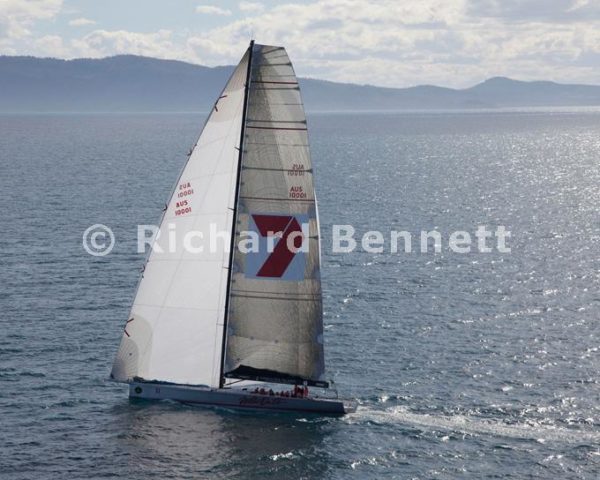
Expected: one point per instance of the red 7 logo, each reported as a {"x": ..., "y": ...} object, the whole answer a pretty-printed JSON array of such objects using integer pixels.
[{"x": 278, "y": 261}]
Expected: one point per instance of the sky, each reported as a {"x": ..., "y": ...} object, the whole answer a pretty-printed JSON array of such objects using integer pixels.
[{"x": 395, "y": 43}]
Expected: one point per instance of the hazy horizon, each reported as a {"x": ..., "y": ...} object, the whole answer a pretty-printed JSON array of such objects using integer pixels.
[
  {"x": 422, "y": 84},
  {"x": 454, "y": 43},
  {"x": 118, "y": 83}
]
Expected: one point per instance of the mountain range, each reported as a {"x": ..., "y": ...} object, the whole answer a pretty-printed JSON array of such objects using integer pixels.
[{"x": 128, "y": 83}]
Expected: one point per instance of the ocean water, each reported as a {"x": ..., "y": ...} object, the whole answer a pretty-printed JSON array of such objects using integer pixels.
[{"x": 480, "y": 365}]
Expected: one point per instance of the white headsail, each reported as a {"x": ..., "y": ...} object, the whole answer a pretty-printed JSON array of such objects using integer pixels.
[{"x": 175, "y": 327}]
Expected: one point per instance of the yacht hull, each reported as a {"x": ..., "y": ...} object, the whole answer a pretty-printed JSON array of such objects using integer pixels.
[{"x": 236, "y": 398}]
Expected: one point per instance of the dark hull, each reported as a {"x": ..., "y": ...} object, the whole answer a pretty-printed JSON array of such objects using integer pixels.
[{"x": 235, "y": 398}]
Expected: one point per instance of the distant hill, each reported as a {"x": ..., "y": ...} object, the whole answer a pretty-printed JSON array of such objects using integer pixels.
[{"x": 132, "y": 83}]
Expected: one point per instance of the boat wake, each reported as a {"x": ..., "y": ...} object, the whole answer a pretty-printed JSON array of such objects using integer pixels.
[{"x": 471, "y": 425}]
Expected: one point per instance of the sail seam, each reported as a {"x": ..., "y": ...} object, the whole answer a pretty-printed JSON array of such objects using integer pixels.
[
  {"x": 280, "y": 199},
  {"x": 279, "y": 169},
  {"x": 289, "y": 89},
  {"x": 274, "y": 82},
  {"x": 314, "y": 295},
  {"x": 277, "y": 104},
  {"x": 276, "y": 121},
  {"x": 278, "y": 145},
  {"x": 275, "y": 128},
  {"x": 176, "y": 307},
  {"x": 275, "y": 298}
]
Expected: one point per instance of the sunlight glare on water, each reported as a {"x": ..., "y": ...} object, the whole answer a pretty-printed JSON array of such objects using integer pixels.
[{"x": 463, "y": 365}]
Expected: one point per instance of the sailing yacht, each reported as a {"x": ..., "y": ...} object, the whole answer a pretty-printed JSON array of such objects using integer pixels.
[{"x": 231, "y": 326}]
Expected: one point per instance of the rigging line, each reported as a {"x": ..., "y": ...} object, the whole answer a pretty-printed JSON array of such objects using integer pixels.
[
  {"x": 234, "y": 382},
  {"x": 217, "y": 102},
  {"x": 128, "y": 322}
]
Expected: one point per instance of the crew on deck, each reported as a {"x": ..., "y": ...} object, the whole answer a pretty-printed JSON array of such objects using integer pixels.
[{"x": 297, "y": 392}]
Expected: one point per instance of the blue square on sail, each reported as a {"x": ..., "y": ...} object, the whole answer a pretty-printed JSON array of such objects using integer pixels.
[{"x": 282, "y": 245}]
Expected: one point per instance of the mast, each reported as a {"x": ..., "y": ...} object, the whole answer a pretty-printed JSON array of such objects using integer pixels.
[{"x": 234, "y": 221}]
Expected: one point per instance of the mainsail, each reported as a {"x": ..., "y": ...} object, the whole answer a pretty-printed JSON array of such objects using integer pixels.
[
  {"x": 274, "y": 323},
  {"x": 250, "y": 171}
]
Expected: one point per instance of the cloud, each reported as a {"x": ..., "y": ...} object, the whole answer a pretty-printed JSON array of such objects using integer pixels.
[
  {"x": 520, "y": 11},
  {"x": 50, "y": 46},
  {"x": 81, "y": 22},
  {"x": 251, "y": 7},
  {"x": 101, "y": 43},
  {"x": 18, "y": 16},
  {"x": 391, "y": 43},
  {"x": 333, "y": 29},
  {"x": 212, "y": 10},
  {"x": 449, "y": 42}
]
